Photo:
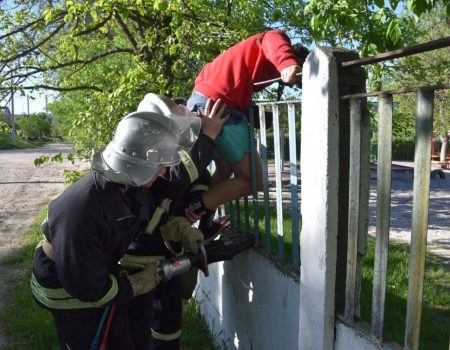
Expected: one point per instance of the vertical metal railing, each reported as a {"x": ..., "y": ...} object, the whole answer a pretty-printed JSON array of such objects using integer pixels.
[
  {"x": 293, "y": 161},
  {"x": 353, "y": 211},
  {"x": 284, "y": 199},
  {"x": 383, "y": 214},
  {"x": 278, "y": 180},
  {"x": 421, "y": 191},
  {"x": 265, "y": 173}
]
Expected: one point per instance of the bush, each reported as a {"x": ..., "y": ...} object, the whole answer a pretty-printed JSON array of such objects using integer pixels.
[
  {"x": 402, "y": 149},
  {"x": 35, "y": 126}
]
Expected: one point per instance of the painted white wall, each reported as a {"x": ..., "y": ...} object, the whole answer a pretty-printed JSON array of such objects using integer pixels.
[
  {"x": 352, "y": 338},
  {"x": 249, "y": 303}
]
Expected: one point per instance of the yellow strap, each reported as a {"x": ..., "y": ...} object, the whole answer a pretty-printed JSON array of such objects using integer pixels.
[
  {"x": 58, "y": 298},
  {"x": 189, "y": 165},
  {"x": 156, "y": 218},
  {"x": 166, "y": 336}
]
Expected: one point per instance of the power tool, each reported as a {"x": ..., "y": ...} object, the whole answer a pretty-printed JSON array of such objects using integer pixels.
[{"x": 225, "y": 247}]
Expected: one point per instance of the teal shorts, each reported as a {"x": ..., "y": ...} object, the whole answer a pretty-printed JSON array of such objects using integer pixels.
[{"x": 233, "y": 142}]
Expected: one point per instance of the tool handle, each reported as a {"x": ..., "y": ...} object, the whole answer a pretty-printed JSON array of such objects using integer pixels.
[{"x": 271, "y": 80}]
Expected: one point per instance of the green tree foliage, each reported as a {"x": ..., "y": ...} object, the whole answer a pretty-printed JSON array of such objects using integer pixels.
[
  {"x": 103, "y": 56},
  {"x": 35, "y": 126},
  {"x": 430, "y": 68}
]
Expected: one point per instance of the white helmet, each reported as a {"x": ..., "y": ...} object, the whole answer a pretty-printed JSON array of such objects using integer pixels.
[
  {"x": 189, "y": 124},
  {"x": 143, "y": 142}
]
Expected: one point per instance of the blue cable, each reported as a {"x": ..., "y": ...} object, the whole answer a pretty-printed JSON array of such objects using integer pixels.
[{"x": 96, "y": 341}]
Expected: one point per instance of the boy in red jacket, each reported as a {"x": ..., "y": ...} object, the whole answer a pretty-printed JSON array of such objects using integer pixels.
[{"x": 231, "y": 77}]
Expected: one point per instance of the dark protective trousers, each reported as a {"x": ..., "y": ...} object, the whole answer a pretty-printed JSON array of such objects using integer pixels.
[
  {"x": 155, "y": 317},
  {"x": 76, "y": 329}
]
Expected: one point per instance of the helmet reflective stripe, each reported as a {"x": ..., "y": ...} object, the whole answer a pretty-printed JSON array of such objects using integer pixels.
[
  {"x": 156, "y": 218},
  {"x": 166, "y": 336},
  {"x": 189, "y": 165},
  {"x": 58, "y": 298}
]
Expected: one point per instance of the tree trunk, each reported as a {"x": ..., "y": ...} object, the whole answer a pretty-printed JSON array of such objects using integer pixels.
[{"x": 443, "y": 154}]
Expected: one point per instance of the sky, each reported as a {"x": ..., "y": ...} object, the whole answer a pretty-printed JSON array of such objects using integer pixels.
[{"x": 36, "y": 105}]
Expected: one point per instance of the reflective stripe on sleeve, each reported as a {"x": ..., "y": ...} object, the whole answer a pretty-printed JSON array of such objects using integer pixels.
[
  {"x": 166, "y": 336},
  {"x": 189, "y": 165},
  {"x": 154, "y": 221},
  {"x": 58, "y": 298},
  {"x": 199, "y": 187}
]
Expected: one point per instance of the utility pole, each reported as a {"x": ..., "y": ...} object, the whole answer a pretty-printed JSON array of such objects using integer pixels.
[
  {"x": 13, "y": 118},
  {"x": 28, "y": 105}
]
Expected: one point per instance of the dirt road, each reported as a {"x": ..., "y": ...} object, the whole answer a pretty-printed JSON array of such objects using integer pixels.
[{"x": 24, "y": 190}]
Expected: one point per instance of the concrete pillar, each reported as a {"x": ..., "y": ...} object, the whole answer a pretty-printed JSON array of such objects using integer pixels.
[
  {"x": 319, "y": 205},
  {"x": 324, "y": 181}
]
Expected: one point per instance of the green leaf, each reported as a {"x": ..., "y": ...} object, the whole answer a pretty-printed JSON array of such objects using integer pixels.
[{"x": 379, "y": 3}]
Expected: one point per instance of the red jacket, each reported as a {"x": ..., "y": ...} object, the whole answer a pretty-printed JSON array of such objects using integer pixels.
[{"x": 231, "y": 75}]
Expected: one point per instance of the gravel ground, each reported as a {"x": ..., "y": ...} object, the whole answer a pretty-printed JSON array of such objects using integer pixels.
[
  {"x": 24, "y": 190},
  {"x": 438, "y": 237}
]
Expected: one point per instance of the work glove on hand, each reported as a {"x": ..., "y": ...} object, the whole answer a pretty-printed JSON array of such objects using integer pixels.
[
  {"x": 178, "y": 229},
  {"x": 144, "y": 281}
]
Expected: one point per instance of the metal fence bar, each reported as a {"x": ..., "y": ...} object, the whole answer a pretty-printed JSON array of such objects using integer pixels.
[
  {"x": 294, "y": 185},
  {"x": 421, "y": 192},
  {"x": 263, "y": 142},
  {"x": 383, "y": 214},
  {"x": 253, "y": 156},
  {"x": 237, "y": 208},
  {"x": 407, "y": 51},
  {"x": 246, "y": 216},
  {"x": 278, "y": 182},
  {"x": 353, "y": 210}
]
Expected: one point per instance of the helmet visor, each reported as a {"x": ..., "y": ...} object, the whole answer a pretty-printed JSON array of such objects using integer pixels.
[
  {"x": 188, "y": 124},
  {"x": 124, "y": 172}
]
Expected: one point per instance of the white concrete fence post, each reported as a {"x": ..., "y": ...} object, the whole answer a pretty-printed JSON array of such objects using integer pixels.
[
  {"x": 319, "y": 205},
  {"x": 324, "y": 192}
]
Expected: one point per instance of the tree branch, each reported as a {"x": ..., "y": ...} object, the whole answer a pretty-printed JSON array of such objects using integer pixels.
[
  {"x": 34, "y": 47},
  {"x": 94, "y": 28},
  {"x": 126, "y": 31},
  {"x": 20, "y": 29},
  {"x": 56, "y": 88},
  {"x": 68, "y": 64}
]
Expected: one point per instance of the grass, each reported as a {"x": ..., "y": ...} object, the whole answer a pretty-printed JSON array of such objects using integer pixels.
[
  {"x": 435, "y": 321},
  {"x": 6, "y": 143},
  {"x": 29, "y": 327},
  {"x": 274, "y": 240}
]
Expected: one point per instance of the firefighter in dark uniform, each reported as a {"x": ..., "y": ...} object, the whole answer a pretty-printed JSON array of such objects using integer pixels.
[
  {"x": 89, "y": 227},
  {"x": 180, "y": 185}
]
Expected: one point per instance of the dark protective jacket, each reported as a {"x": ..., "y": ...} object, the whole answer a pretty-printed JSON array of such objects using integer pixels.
[
  {"x": 89, "y": 226},
  {"x": 177, "y": 181}
]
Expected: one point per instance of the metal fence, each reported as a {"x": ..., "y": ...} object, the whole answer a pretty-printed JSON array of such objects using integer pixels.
[
  {"x": 264, "y": 213},
  {"x": 281, "y": 196},
  {"x": 421, "y": 189}
]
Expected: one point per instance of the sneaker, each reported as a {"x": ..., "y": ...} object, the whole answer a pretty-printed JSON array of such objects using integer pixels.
[{"x": 215, "y": 228}]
